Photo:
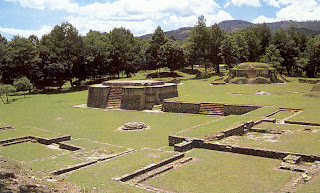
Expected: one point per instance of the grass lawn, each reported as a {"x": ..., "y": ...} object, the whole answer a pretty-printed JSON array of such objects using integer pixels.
[
  {"x": 296, "y": 142},
  {"x": 91, "y": 151},
  {"x": 213, "y": 172},
  {"x": 312, "y": 186},
  {"x": 282, "y": 115},
  {"x": 20, "y": 132},
  {"x": 29, "y": 151},
  {"x": 99, "y": 175},
  {"x": 284, "y": 126},
  {"x": 221, "y": 172}
]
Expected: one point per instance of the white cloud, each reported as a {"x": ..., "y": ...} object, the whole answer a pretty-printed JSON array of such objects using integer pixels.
[
  {"x": 273, "y": 3},
  {"x": 252, "y": 3},
  {"x": 263, "y": 19},
  {"x": 47, "y": 4},
  {"x": 137, "y": 28},
  {"x": 26, "y": 33},
  {"x": 294, "y": 10},
  {"x": 139, "y": 16}
]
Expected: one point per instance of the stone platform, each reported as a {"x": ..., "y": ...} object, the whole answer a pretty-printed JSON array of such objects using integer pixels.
[{"x": 131, "y": 95}]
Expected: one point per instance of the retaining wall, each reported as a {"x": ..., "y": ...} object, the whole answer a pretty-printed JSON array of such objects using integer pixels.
[
  {"x": 194, "y": 108},
  {"x": 234, "y": 109},
  {"x": 181, "y": 107}
]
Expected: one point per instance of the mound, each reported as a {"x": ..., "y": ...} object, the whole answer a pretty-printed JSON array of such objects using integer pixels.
[
  {"x": 316, "y": 88},
  {"x": 250, "y": 65}
]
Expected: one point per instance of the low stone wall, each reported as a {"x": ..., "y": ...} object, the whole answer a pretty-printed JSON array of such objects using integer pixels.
[
  {"x": 7, "y": 127},
  {"x": 52, "y": 140},
  {"x": 234, "y": 109},
  {"x": 184, "y": 146},
  {"x": 181, "y": 107},
  {"x": 98, "y": 96},
  {"x": 309, "y": 81},
  {"x": 151, "y": 167},
  {"x": 194, "y": 108},
  {"x": 196, "y": 143},
  {"x": 68, "y": 147},
  {"x": 14, "y": 139},
  {"x": 302, "y": 123},
  {"x": 69, "y": 169}
]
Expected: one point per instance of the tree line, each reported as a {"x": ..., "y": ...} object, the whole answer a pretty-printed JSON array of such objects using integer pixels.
[{"x": 64, "y": 55}]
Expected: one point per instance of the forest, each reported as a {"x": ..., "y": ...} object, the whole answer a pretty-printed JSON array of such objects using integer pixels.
[{"x": 64, "y": 55}]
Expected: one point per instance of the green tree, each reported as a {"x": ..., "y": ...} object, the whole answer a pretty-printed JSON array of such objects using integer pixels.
[
  {"x": 253, "y": 44},
  {"x": 22, "y": 60},
  {"x": 272, "y": 56},
  {"x": 22, "y": 84},
  {"x": 190, "y": 53},
  {"x": 122, "y": 42},
  {"x": 264, "y": 35},
  {"x": 216, "y": 36},
  {"x": 312, "y": 53},
  {"x": 229, "y": 50},
  {"x": 172, "y": 56},
  {"x": 67, "y": 49},
  {"x": 288, "y": 48},
  {"x": 97, "y": 50},
  {"x": 243, "y": 50},
  {"x": 6, "y": 89},
  {"x": 152, "y": 53},
  {"x": 3, "y": 56},
  {"x": 200, "y": 38}
]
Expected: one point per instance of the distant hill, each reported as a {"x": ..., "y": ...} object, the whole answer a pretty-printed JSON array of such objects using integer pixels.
[{"x": 307, "y": 27}]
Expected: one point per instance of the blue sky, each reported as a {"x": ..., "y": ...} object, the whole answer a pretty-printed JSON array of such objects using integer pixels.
[{"x": 26, "y": 17}]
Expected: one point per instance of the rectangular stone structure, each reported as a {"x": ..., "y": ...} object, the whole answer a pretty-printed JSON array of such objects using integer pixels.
[{"x": 98, "y": 96}]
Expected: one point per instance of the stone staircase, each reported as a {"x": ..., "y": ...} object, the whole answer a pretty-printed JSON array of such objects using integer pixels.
[
  {"x": 114, "y": 97},
  {"x": 211, "y": 109}
]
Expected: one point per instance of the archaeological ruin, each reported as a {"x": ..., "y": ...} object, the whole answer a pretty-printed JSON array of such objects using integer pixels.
[
  {"x": 130, "y": 95},
  {"x": 253, "y": 73}
]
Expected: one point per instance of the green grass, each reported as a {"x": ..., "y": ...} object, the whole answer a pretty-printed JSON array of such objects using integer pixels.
[
  {"x": 284, "y": 126},
  {"x": 20, "y": 132},
  {"x": 217, "y": 127},
  {"x": 282, "y": 115},
  {"x": 99, "y": 175},
  {"x": 214, "y": 172},
  {"x": 28, "y": 151},
  {"x": 224, "y": 172},
  {"x": 227, "y": 123},
  {"x": 297, "y": 142},
  {"x": 55, "y": 113},
  {"x": 311, "y": 186},
  {"x": 92, "y": 151}
]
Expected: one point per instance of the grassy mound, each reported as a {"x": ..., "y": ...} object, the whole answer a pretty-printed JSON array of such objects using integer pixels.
[
  {"x": 316, "y": 88},
  {"x": 249, "y": 65}
]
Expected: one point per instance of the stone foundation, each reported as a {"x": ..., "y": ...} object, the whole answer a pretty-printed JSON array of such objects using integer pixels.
[
  {"x": 136, "y": 95},
  {"x": 194, "y": 108}
]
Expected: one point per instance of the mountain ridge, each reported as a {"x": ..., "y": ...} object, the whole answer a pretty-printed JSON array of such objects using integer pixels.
[{"x": 230, "y": 26}]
